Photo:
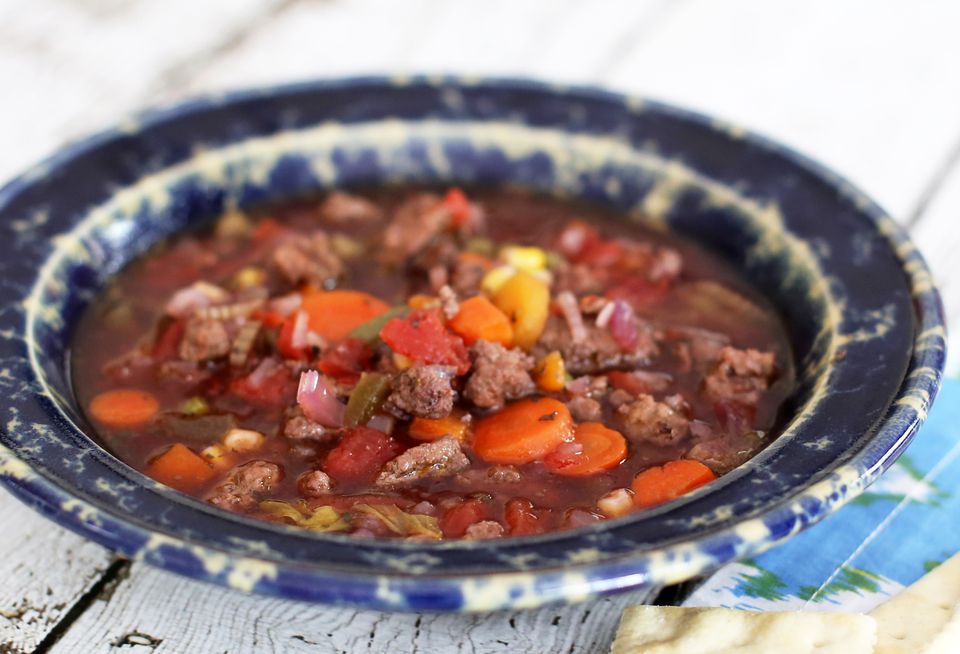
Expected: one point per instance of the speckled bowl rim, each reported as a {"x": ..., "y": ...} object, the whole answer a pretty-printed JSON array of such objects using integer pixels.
[{"x": 672, "y": 563}]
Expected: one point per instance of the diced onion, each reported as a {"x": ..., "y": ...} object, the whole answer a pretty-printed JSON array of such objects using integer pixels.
[
  {"x": 264, "y": 370},
  {"x": 286, "y": 304},
  {"x": 318, "y": 399},
  {"x": 571, "y": 313},
  {"x": 383, "y": 423},
  {"x": 299, "y": 338},
  {"x": 603, "y": 318},
  {"x": 623, "y": 326},
  {"x": 199, "y": 295}
]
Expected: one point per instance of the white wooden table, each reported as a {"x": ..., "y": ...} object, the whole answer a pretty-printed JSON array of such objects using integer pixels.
[{"x": 871, "y": 88}]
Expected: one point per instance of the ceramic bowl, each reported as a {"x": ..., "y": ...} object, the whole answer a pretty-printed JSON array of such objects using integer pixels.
[{"x": 862, "y": 314}]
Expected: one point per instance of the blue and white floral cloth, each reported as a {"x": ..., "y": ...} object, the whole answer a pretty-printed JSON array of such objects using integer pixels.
[{"x": 902, "y": 526}]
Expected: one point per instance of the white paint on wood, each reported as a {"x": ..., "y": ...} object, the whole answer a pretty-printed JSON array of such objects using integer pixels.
[
  {"x": 44, "y": 569},
  {"x": 173, "y": 614},
  {"x": 870, "y": 88},
  {"x": 69, "y": 67}
]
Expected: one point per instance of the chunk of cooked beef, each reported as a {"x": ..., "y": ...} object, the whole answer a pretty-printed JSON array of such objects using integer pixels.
[
  {"x": 423, "y": 391},
  {"x": 314, "y": 483},
  {"x": 204, "y": 339},
  {"x": 725, "y": 453},
  {"x": 308, "y": 258},
  {"x": 484, "y": 530},
  {"x": 299, "y": 428},
  {"x": 585, "y": 409},
  {"x": 436, "y": 459},
  {"x": 245, "y": 485},
  {"x": 647, "y": 420},
  {"x": 597, "y": 350},
  {"x": 414, "y": 224},
  {"x": 498, "y": 375},
  {"x": 468, "y": 274},
  {"x": 504, "y": 474},
  {"x": 740, "y": 376},
  {"x": 340, "y": 207}
]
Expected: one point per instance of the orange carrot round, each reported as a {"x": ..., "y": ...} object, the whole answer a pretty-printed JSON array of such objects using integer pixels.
[
  {"x": 524, "y": 431},
  {"x": 179, "y": 467},
  {"x": 124, "y": 407},
  {"x": 332, "y": 314},
  {"x": 603, "y": 448},
  {"x": 478, "y": 319},
  {"x": 671, "y": 480}
]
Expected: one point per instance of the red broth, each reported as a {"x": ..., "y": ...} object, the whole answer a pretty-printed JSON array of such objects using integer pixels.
[{"x": 543, "y": 364}]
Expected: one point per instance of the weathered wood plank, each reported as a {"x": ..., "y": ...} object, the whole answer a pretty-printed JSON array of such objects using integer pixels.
[
  {"x": 45, "y": 569},
  {"x": 158, "y": 612},
  {"x": 869, "y": 88},
  {"x": 72, "y": 66}
]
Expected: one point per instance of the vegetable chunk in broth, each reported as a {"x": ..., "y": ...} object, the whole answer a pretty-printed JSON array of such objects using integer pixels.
[{"x": 431, "y": 365}]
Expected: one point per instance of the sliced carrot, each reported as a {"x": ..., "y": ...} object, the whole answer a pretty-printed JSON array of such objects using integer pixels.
[
  {"x": 671, "y": 480},
  {"x": 180, "y": 468},
  {"x": 334, "y": 313},
  {"x": 124, "y": 407},
  {"x": 426, "y": 429},
  {"x": 479, "y": 318},
  {"x": 421, "y": 301},
  {"x": 551, "y": 373},
  {"x": 524, "y": 431},
  {"x": 603, "y": 448}
]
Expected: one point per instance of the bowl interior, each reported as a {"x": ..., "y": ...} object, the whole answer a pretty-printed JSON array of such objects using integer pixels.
[{"x": 824, "y": 256}]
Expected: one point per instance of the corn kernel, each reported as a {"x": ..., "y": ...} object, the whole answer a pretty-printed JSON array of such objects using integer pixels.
[
  {"x": 496, "y": 278},
  {"x": 249, "y": 277},
  {"x": 402, "y": 362},
  {"x": 243, "y": 440},
  {"x": 550, "y": 373},
  {"x": 529, "y": 259}
]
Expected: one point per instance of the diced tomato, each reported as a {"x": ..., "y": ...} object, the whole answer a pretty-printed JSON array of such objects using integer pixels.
[
  {"x": 602, "y": 253},
  {"x": 268, "y": 318},
  {"x": 266, "y": 229},
  {"x": 277, "y": 389},
  {"x": 359, "y": 455},
  {"x": 734, "y": 417},
  {"x": 522, "y": 519},
  {"x": 167, "y": 343},
  {"x": 421, "y": 336},
  {"x": 455, "y": 520},
  {"x": 639, "y": 292},
  {"x": 346, "y": 361},
  {"x": 456, "y": 201},
  {"x": 575, "y": 238},
  {"x": 285, "y": 340}
]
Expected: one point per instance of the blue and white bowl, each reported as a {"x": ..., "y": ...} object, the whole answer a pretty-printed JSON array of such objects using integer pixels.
[{"x": 862, "y": 313}]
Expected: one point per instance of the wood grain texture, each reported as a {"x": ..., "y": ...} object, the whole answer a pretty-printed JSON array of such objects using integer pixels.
[
  {"x": 157, "y": 612},
  {"x": 45, "y": 570}
]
